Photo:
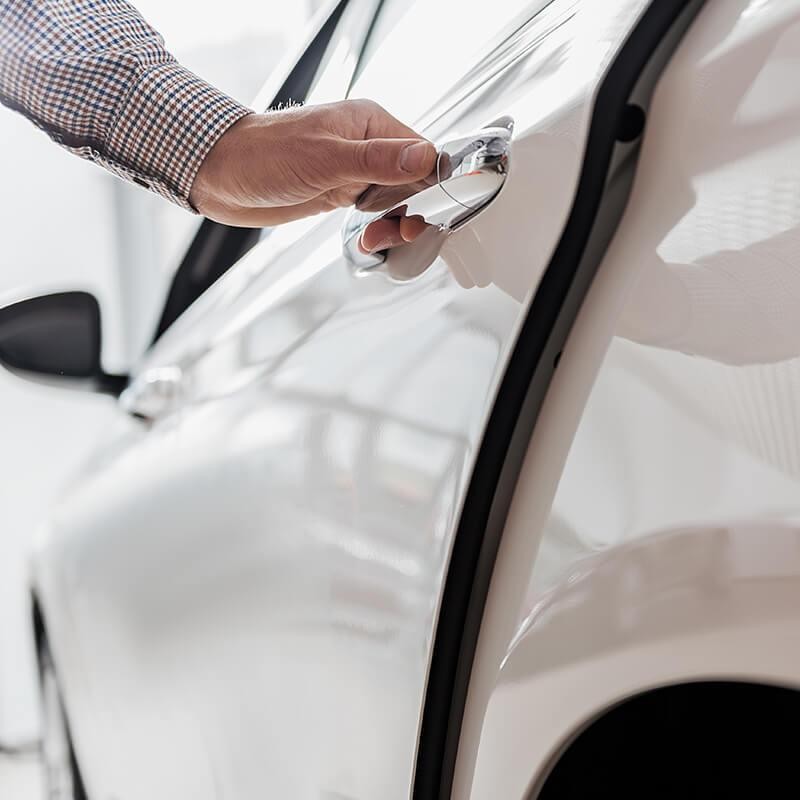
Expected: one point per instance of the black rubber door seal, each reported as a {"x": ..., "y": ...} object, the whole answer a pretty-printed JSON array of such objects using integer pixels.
[{"x": 603, "y": 189}]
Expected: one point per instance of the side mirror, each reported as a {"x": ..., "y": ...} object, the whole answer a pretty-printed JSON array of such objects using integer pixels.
[{"x": 56, "y": 336}]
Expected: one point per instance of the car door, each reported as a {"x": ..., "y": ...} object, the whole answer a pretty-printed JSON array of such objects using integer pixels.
[{"x": 294, "y": 553}]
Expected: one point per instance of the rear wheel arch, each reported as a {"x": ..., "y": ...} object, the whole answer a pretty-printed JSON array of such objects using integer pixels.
[{"x": 704, "y": 739}]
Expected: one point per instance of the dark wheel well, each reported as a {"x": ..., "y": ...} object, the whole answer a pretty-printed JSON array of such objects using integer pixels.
[{"x": 699, "y": 740}]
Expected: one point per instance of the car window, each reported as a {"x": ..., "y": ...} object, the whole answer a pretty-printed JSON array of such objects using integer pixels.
[
  {"x": 417, "y": 49},
  {"x": 335, "y": 71},
  {"x": 389, "y": 15}
]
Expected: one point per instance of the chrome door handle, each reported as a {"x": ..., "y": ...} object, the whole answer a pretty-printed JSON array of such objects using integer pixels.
[{"x": 470, "y": 172}]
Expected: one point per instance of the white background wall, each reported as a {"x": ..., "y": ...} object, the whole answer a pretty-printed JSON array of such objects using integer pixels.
[{"x": 67, "y": 224}]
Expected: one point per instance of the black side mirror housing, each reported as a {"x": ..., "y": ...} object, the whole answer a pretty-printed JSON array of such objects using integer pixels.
[{"x": 56, "y": 336}]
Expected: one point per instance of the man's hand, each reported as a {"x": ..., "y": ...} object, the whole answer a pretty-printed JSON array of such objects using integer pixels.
[{"x": 284, "y": 165}]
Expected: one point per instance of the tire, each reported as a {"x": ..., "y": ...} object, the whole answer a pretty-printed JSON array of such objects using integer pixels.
[{"x": 62, "y": 778}]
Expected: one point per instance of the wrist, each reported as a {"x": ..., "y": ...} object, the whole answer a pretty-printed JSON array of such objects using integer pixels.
[{"x": 219, "y": 166}]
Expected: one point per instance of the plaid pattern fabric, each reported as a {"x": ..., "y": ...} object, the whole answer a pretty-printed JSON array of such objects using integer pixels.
[{"x": 97, "y": 79}]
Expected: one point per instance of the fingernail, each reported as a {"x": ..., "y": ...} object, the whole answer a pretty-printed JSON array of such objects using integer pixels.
[{"x": 413, "y": 157}]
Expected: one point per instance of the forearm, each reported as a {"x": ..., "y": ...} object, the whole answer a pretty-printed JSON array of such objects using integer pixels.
[{"x": 99, "y": 81}]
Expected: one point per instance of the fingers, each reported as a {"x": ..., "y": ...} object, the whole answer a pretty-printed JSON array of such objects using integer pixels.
[
  {"x": 382, "y": 234},
  {"x": 385, "y": 151},
  {"x": 388, "y": 162},
  {"x": 411, "y": 228},
  {"x": 377, "y": 123},
  {"x": 267, "y": 217},
  {"x": 379, "y": 198},
  {"x": 389, "y": 232}
]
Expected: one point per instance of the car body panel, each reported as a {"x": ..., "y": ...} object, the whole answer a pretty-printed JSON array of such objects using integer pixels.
[
  {"x": 653, "y": 535},
  {"x": 244, "y": 593},
  {"x": 697, "y": 604}
]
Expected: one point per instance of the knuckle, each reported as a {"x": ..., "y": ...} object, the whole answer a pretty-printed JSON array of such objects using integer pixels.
[
  {"x": 367, "y": 107},
  {"x": 364, "y": 102},
  {"x": 366, "y": 156}
]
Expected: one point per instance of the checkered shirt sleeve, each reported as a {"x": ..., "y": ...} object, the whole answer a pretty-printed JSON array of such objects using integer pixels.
[{"x": 98, "y": 80}]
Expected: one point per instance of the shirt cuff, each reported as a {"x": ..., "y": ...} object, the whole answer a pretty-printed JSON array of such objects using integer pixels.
[{"x": 165, "y": 127}]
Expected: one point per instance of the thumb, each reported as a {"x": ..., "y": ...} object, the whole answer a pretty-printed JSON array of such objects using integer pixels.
[{"x": 388, "y": 162}]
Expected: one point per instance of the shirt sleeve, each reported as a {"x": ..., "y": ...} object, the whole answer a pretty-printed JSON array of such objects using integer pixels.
[{"x": 98, "y": 80}]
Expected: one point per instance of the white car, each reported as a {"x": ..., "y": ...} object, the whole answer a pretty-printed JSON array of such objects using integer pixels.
[{"x": 509, "y": 512}]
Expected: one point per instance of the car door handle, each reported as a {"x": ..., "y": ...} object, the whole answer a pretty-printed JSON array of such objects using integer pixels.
[{"x": 470, "y": 172}]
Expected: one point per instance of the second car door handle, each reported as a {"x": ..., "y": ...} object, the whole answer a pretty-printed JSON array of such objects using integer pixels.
[{"x": 470, "y": 172}]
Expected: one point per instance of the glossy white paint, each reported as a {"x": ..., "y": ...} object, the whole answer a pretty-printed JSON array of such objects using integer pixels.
[
  {"x": 654, "y": 534},
  {"x": 123, "y": 245},
  {"x": 44, "y": 434},
  {"x": 243, "y": 595}
]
